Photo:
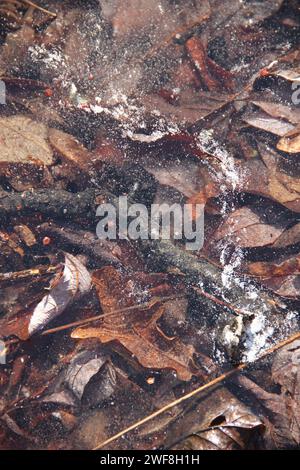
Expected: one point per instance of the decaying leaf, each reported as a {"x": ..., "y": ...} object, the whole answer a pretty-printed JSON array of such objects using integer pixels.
[
  {"x": 289, "y": 237},
  {"x": 281, "y": 419},
  {"x": 219, "y": 422},
  {"x": 272, "y": 178},
  {"x": 25, "y": 152},
  {"x": 275, "y": 126},
  {"x": 74, "y": 282},
  {"x": 166, "y": 102},
  {"x": 137, "y": 331},
  {"x": 290, "y": 143},
  {"x": 70, "y": 149},
  {"x": 280, "y": 111},
  {"x": 89, "y": 378},
  {"x": 69, "y": 285},
  {"x": 283, "y": 278},
  {"x": 248, "y": 228},
  {"x": 24, "y": 141}
]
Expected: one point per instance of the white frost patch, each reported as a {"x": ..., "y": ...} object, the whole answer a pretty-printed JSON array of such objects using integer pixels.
[
  {"x": 230, "y": 266},
  {"x": 207, "y": 143},
  {"x": 53, "y": 59},
  {"x": 257, "y": 337},
  {"x": 131, "y": 118},
  {"x": 156, "y": 135}
]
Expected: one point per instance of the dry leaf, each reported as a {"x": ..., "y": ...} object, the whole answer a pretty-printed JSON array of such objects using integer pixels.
[
  {"x": 219, "y": 422},
  {"x": 290, "y": 144},
  {"x": 267, "y": 123},
  {"x": 289, "y": 237},
  {"x": 24, "y": 141},
  {"x": 278, "y": 110},
  {"x": 283, "y": 278},
  {"x": 271, "y": 179},
  {"x": 137, "y": 331},
  {"x": 68, "y": 285},
  {"x": 281, "y": 416},
  {"x": 74, "y": 282},
  {"x": 70, "y": 149},
  {"x": 24, "y": 152},
  {"x": 248, "y": 227}
]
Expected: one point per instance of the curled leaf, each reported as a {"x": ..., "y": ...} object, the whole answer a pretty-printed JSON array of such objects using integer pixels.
[{"x": 73, "y": 283}]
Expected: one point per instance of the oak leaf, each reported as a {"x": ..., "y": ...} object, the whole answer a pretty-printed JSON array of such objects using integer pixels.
[{"x": 137, "y": 331}]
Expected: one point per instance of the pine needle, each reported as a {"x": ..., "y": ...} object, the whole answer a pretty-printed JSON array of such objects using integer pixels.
[{"x": 37, "y": 7}]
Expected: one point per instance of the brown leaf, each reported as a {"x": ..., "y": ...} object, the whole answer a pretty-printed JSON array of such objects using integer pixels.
[
  {"x": 271, "y": 178},
  {"x": 25, "y": 152},
  {"x": 184, "y": 176},
  {"x": 70, "y": 284},
  {"x": 280, "y": 111},
  {"x": 24, "y": 141},
  {"x": 74, "y": 282},
  {"x": 267, "y": 123},
  {"x": 191, "y": 108},
  {"x": 137, "y": 331},
  {"x": 248, "y": 228},
  {"x": 161, "y": 20},
  {"x": 198, "y": 56},
  {"x": 290, "y": 144},
  {"x": 283, "y": 278},
  {"x": 70, "y": 150},
  {"x": 289, "y": 237},
  {"x": 280, "y": 412},
  {"x": 85, "y": 368},
  {"x": 218, "y": 422},
  {"x": 267, "y": 269},
  {"x": 285, "y": 286}
]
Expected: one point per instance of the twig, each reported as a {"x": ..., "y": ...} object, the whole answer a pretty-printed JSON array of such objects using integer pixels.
[
  {"x": 37, "y": 7},
  {"x": 198, "y": 390},
  {"x": 85, "y": 321},
  {"x": 81, "y": 207},
  {"x": 19, "y": 275}
]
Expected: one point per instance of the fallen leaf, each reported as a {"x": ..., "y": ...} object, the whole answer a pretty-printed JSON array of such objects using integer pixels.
[
  {"x": 268, "y": 269},
  {"x": 219, "y": 422},
  {"x": 136, "y": 331},
  {"x": 70, "y": 150},
  {"x": 290, "y": 144},
  {"x": 283, "y": 277},
  {"x": 280, "y": 111},
  {"x": 289, "y": 237},
  {"x": 74, "y": 282},
  {"x": 89, "y": 378},
  {"x": 271, "y": 178},
  {"x": 267, "y": 123},
  {"x": 249, "y": 227},
  {"x": 198, "y": 56},
  {"x": 280, "y": 412},
  {"x": 25, "y": 152},
  {"x": 68, "y": 286},
  {"x": 24, "y": 141},
  {"x": 189, "y": 112}
]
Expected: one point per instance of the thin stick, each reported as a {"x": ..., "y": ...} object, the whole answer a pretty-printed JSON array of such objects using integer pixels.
[
  {"x": 195, "y": 392},
  {"x": 19, "y": 275},
  {"x": 111, "y": 314},
  {"x": 85, "y": 321},
  {"x": 34, "y": 5}
]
